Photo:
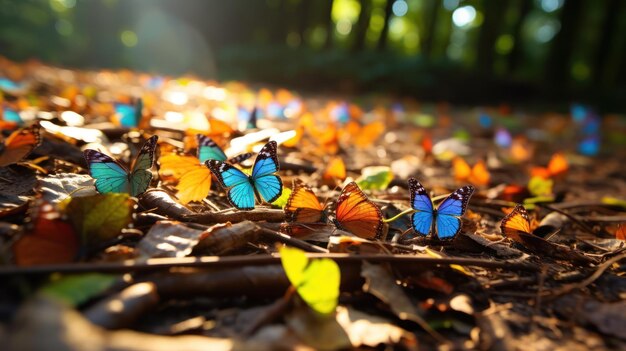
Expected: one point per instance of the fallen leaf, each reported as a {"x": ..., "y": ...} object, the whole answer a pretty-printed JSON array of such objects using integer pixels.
[
  {"x": 58, "y": 187},
  {"x": 316, "y": 281},
  {"x": 375, "y": 178},
  {"x": 380, "y": 283},
  {"x": 168, "y": 239},
  {"x": 100, "y": 217},
  {"x": 349, "y": 329}
]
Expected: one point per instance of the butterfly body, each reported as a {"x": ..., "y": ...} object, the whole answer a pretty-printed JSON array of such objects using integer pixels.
[
  {"x": 443, "y": 221},
  {"x": 244, "y": 189},
  {"x": 113, "y": 177}
]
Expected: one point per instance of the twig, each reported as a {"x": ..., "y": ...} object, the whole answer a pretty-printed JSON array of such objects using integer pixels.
[
  {"x": 156, "y": 264},
  {"x": 296, "y": 167},
  {"x": 577, "y": 204},
  {"x": 121, "y": 309},
  {"x": 570, "y": 216},
  {"x": 286, "y": 239},
  {"x": 268, "y": 215},
  {"x": 609, "y": 219},
  {"x": 273, "y": 312},
  {"x": 592, "y": 278}
]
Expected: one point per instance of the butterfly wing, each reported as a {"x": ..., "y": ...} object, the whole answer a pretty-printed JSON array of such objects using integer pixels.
[
  {"x": 462, "y": 170},
  {"x": 303, "y": 206},
  {"x": 110, "y": 176},
  {"x": 450, "y": 210},
  {"x": 480, "y": 174},
  {"x": 421, "y": 220},
  {"x": 208, "y": 149},
  {"x": 357, "y": 214},
  {"x": 240, "y": 190},
  {"x": 20, "y": 144},
  {"x": 265, "y": 181},
  {"x": 516, "y": 221},
  {"x": 127, "y": 115},
  {"x": 141, "y": 175},
  {"x": 240, "y": 158}
]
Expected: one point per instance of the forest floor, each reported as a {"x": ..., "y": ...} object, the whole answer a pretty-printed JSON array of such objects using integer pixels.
[{"x": 527, "y": 253}]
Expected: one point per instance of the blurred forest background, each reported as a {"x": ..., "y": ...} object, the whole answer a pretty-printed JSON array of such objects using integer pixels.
[{"x": 543, "y": 52}]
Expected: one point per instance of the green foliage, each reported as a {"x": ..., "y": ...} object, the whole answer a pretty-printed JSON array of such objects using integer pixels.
[
  {"x": 375, "y": 178},
  {"x": 538, "y": 186},
  {"x": 316, "y": 281},
  {"x": 77, "y": 289}
]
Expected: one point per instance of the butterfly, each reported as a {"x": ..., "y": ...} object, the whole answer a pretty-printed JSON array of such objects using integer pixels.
[
  {"x": 517, "y": 221},
  {"x": 19, "y": 145},
  {"x": 357, "y": 214},
  {"x": 557, "y": 166},
  {"x": 303, "y": 206},
  {"x": 113, "y": 177},
  {"x": 209, "y": 150},
  {"x": 243, "y": 189},
  {"x": 477, "y": 175},
  {"x": 129, "y": 116},
  {"x": 444, "y": 221},
  {"x": 335, "y": 171}
]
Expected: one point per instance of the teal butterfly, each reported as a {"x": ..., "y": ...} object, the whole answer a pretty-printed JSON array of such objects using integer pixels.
[
  {"x": 112, "y": 177},
  {"x": 209, "y": 150},
  {"x": 243, "y": 189},
  {"x": 130, "y": 116}
]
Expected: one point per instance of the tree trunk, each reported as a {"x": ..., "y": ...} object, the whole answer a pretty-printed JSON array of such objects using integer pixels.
[
  {"x": 489, "y": 31},
  {"x": 428, "y": 36},
  {"x": 330, "y": 26},
  {"x": 516, "y": 54},
  {"x": 362, "y": 24},
  {"x": 559, "y": 59},
  {"x": 382, "y": 40},
  {"x": 606, "y": 41},
  {"x": 303, "y": 16}
]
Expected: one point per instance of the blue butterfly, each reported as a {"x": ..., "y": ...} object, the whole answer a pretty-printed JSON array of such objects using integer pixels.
[
  {"x": 209, "y": 150},
  {"x": 445, "y": 221},
  {"x": 130, "y": 116},
  {"x": 243, "y": 189},
  {"x": 113, "y": 177}
]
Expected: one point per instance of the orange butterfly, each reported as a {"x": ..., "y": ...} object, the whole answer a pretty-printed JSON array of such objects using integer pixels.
[
  {"x": 19, "y": 145},
  {"x": 303, "y": 206},
  {"x": 363, "y": 135},
  {"x": 557, "y": 166},
  {"x": 516, "y": 221},
  {"x": 478, "y": 175},
  {"x": 357, "y": 214},
  {"x": 335, "y": 171},
  {"x": 517, "y": 224}
]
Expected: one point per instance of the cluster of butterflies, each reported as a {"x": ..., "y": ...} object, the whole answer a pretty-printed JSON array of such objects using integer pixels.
[
  {"x": 243, "y": 190},
  {"x": 357, "y": 214},
  {"x": 354, "y": 212}
]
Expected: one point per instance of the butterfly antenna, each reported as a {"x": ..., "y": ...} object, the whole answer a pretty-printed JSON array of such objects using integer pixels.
[{"x": 405, "y": 212}]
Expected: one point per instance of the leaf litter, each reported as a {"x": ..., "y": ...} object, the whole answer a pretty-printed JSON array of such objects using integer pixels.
[{"x": 181, "y": 268}]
